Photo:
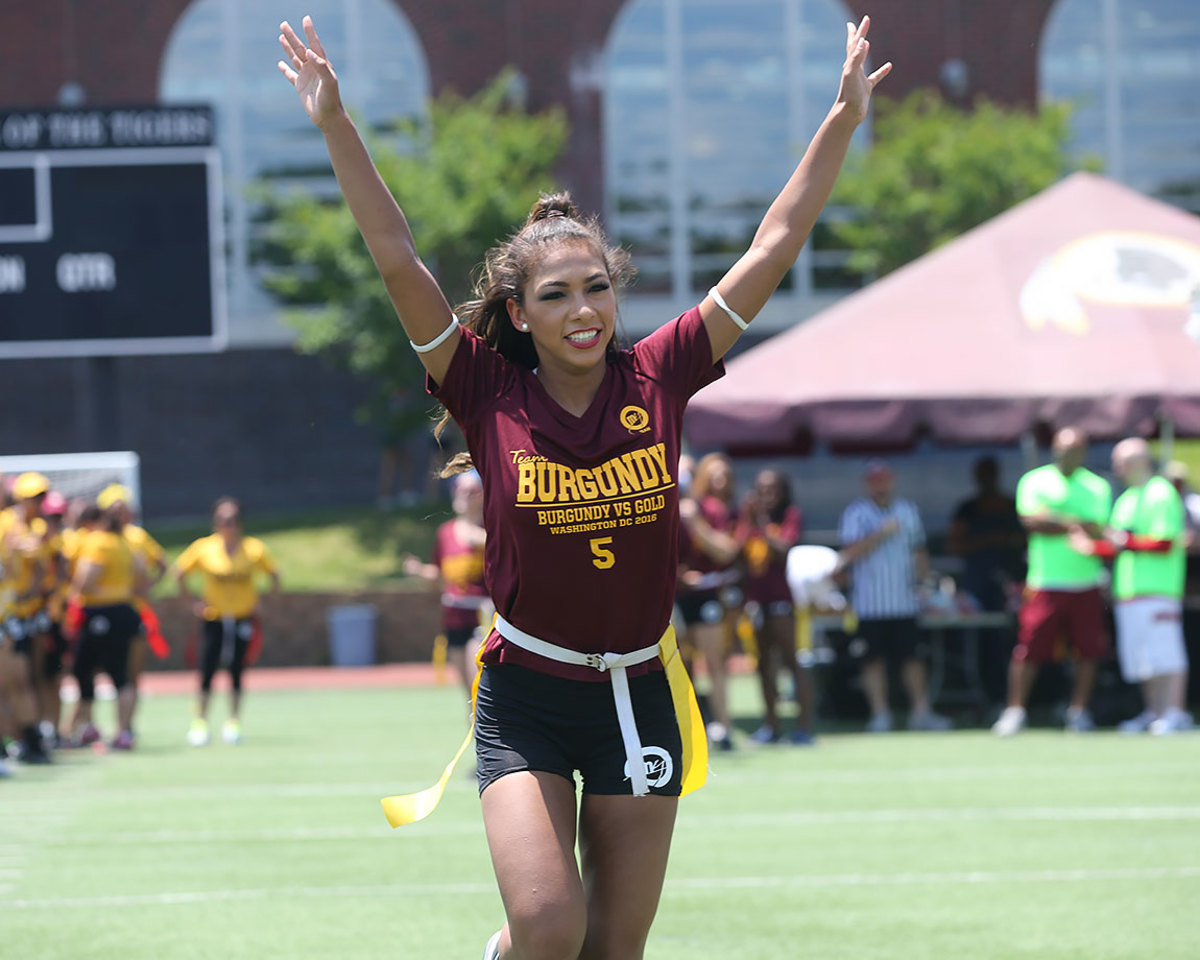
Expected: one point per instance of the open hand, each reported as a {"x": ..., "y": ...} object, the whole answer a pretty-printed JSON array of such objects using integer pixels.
[
  {"x": 857, "y": 86},
  {"x": 310, "y": 72}
]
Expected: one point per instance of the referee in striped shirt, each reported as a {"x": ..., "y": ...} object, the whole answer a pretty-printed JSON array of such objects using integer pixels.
[{"x": 884, "y": 545}]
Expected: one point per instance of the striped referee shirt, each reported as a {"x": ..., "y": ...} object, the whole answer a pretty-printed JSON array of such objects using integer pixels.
[{"x": 884, "y": 584}]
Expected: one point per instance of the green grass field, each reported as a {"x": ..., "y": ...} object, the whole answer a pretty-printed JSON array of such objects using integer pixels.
[{"x": 901, "y": 847}]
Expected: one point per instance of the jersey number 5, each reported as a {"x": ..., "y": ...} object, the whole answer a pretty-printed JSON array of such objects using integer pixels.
[{"x": 602, "y": 557}]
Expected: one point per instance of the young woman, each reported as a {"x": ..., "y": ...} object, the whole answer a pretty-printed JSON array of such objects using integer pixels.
[
  {"x": 230, "y": 563},
  {"x": 108, "y": 579},
  {"x": 769, "y": 527},
  {"x": 708, "y": 574},
  {"x": 457, "y": 563},
  {"x": 577, "y": 444}
]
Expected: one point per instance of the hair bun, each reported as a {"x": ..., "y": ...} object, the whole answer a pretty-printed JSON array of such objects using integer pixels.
[{"x": 553, "y": 205}]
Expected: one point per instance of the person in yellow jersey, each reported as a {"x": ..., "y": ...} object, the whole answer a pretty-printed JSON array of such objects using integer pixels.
[
  {"x": 48, "y": 659},
  {"x": 119, "y": 499},
  {"x": 25, "y": 623},
  {"x": 229, "y": 562},
  {"x": 102, "y": 619}
]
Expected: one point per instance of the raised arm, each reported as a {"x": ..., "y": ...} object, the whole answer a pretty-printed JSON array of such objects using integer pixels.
[
  {"x": 418, "y": 300},
  {"x": 784, "y": 230}
]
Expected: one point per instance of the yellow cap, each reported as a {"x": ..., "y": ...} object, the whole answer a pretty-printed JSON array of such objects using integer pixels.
[
  {"x": 111, "y": 494},
  {"x": 29, "y": 485}
]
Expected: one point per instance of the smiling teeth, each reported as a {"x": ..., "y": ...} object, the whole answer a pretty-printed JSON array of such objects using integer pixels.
[{"x": 581, "y": 335}]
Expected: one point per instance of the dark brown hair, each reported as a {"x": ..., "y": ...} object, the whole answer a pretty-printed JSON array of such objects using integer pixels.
[
  {"x": 231, "y": 502},
  {"x": 553, "y": 220}
]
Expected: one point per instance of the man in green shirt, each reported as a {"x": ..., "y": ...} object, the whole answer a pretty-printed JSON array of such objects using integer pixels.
[
  {"x": 1062, "y": 586},
  {"x": 1146, "y": 535}
]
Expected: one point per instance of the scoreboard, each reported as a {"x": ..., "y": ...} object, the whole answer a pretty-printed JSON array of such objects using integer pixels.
[{"x": 111, "y": 233}]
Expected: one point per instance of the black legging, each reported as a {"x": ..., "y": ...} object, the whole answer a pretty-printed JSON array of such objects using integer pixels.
[
  {"x": 217, "y": 633},
  {"x": 104, "y": 644}
]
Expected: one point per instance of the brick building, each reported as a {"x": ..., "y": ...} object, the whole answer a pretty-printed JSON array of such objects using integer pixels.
[{"x": 685, "y": 116}]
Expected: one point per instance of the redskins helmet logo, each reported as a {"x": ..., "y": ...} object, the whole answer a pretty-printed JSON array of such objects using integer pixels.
[{"x": 635, "y": 419}]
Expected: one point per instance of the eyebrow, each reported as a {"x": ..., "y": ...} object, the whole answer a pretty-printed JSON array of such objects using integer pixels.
[{"x": 564, "y": 283}]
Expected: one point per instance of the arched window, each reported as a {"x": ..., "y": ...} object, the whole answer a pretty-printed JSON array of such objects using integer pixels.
[
  {"x": 1132, "y": 70},
  {"x": 223, "y": 52},
  {"x": 709, "y": 106}
]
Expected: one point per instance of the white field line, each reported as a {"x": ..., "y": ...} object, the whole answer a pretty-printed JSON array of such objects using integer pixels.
[
  {"x": 731, "y": 821},
  {"x": 1127, "y": 874},
  {"x": 717, "y": 777}
]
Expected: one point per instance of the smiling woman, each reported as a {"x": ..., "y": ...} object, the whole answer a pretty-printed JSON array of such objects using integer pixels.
[{"x": 577, "y": 443}]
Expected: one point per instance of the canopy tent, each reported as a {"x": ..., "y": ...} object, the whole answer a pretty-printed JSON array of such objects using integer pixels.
[{"x": 1080, "y": 305}]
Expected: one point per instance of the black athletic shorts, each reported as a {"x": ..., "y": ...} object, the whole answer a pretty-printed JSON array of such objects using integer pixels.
[
  {"x": 526, "y": 720},
  {"x": 703, "y": 606},
  {"x": 459, "y": 636},
  {"x": 895, "y": 639}
]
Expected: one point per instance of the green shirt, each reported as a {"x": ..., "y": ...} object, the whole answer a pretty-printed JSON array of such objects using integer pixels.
[
  {"x": 1154, "y": 510},
  {"x": 1082, "y": 497}
]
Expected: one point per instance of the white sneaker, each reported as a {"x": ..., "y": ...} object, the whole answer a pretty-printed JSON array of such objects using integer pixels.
[
  {"x": 492, "y": 950},
  {"x": 1079, "y": 720},
  {"x": 930, "y": 721},
  {"x": 1010, "y": 721},
  {"x": 879, "y": 723},
  {"x": 1173, "y": 721},
  {"x": 1139, "y": 724},
  {"x": 197, "y": 734},
  {"x": 231, "y": 731}
]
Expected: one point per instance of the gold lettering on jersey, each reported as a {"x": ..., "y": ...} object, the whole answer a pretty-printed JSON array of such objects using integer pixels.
[{"x": 642, "y": 471}]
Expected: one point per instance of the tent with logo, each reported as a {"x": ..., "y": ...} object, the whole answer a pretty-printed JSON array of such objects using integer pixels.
[{"x": 1079, "y": 306}]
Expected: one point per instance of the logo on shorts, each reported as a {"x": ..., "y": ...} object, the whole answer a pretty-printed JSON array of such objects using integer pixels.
[
  {"x": 659, "y": 766},
  {"x": 635, "y": 419}
]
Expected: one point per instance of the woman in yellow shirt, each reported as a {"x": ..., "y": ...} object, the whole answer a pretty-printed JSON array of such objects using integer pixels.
[
  {"x": 21, "y": 622},
  {"x": 229, "y": 562},
  {"x": 108, "y": 578}
]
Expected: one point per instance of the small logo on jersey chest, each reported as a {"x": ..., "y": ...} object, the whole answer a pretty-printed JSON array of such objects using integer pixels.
[{"x": 635, "y": 419}]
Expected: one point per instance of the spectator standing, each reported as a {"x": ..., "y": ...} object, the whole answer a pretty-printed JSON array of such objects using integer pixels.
[
  {"x": 118, "y": 499},
  {"x": 883, "y": 543},
  {"x": 769, "y": 527},
  {"x": 230, "y": 562},
  {"x": 1146, "y": 536},
  {"x": 1062, "y": 587},
  {"x": 457, "y": 563},
  {"x": 987, "y": 533},
  {"x": 107, "y": 580},
  {"x": 708, "y": 557}
]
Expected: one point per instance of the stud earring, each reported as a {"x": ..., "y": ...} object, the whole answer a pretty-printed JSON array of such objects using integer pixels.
[{"x": 525, "y": 326}]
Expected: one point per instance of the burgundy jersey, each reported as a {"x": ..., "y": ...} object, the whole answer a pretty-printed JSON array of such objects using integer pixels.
[
  {"x": 716, "y": 513},
  {"x": 766, "y": 574},
  {"x": 463, "y": 588},
  {"x": 582, "y": 513}
]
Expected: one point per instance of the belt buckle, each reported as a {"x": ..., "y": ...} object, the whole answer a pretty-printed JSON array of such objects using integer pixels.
[{"x": 597, "y": 662}]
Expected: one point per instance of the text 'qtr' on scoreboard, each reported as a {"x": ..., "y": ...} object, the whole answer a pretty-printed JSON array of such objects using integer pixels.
[{"x": 111, "y": 232}]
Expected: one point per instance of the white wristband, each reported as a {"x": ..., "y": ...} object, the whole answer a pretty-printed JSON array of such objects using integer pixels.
[
  {"x": 720, "y": 302},
  {"x": 439, "y": 339}
]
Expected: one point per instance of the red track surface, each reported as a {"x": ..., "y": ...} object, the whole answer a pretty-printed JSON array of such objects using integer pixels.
[{"x": 173, "y": 683}]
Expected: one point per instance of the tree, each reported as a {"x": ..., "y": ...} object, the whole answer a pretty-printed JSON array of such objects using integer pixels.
[
  {"x": 935, "y": 171},
  {"x": 467, "y": 178}
]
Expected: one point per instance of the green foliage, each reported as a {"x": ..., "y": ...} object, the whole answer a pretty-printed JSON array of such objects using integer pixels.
[
  {"x": 936, "y": 171},
  {"x": 464, "y": 179}
]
